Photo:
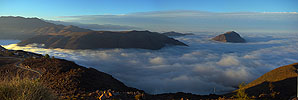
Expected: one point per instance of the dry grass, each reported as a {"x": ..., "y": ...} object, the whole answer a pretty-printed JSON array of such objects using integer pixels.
[
  {"x": 24, "y": 89},
  {"x": 275, "y": 75}
]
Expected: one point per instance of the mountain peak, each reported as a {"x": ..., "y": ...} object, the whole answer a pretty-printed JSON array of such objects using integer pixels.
[
  {"x": 231, "y": 32},
  {"x": 230, "y": 36}
]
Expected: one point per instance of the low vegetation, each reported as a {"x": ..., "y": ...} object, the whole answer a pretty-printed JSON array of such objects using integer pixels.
[
  {"x": 241, "y": 95},
  {"x": 25, "y": 89}
]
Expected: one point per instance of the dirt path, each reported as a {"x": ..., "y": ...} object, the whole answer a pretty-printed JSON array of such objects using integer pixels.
[{"x": 20, "y": 65}]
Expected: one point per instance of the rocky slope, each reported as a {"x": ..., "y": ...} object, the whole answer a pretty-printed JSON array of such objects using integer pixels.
[
  {"x": 172, "y": 33},
  {"x": 104, "y": 39},
  {"x": 22, "y": 28},
  {"x": 230, "y": 36},
  {"x": 278, "y": 84}
]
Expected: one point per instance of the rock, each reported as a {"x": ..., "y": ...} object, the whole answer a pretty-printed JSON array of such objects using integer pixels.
[
  {"x": 172, "y": 33},
  {"x": 230, "y": 36},
  {"x": 104, "y": 39}
]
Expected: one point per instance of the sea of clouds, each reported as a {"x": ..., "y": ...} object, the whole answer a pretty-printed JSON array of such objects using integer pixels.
[{"x": 199, "y": 68}]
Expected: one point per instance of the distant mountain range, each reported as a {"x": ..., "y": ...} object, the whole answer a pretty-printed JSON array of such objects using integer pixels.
[
  {"x": 104, "y": 39},
  {"x": 34, "y": 30},
  {"x": 22, "y": 28}
]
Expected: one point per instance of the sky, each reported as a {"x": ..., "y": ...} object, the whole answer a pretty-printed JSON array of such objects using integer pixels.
[
  {"x": 278, "y": 16},
  {"x": 50, "y": 8}
]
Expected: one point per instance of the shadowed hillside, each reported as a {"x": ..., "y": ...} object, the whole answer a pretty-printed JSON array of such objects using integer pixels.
[
  {"x": 104, "y": 39},
  {"x": 278, "y": 84},
  {"x": 22, "y": 28}
]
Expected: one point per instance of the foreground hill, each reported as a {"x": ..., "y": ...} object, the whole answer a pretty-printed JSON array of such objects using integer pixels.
[
  {"x": 22, "y": 28},
  {"x": 230, "y": 36},
  {"x": 278, "y": 84},
  {"x": 104, "y": 39}
]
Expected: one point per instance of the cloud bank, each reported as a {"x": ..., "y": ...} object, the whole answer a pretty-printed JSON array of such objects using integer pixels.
[
  {"x": 96, "y": 27},
  {"x": 198, "y": 21},
  {"x": 199, "y": 68}
]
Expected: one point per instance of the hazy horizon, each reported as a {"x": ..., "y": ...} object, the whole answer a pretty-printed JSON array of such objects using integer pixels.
[{"x": 278, "y": 16}]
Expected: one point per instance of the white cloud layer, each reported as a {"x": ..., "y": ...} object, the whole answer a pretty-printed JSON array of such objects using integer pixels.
[{"x": 199, "y": 68}]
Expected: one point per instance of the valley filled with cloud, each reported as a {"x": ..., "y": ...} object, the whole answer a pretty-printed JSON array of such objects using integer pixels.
[{"x": 199, "y": 68}]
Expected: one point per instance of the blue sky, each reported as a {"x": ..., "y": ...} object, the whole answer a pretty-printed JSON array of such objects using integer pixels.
[
  {"x": 166, "y": 15},
  {"x": 50, "y": 8}
]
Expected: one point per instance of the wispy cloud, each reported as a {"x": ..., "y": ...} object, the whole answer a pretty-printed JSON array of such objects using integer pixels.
[{"x": 186, "y": 21}]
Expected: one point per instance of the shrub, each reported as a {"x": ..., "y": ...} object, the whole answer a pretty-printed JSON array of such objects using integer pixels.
[
  {"x": 24, "y": 89},
  {"x": 46, "y": 56},
  {"x": 241, "y": 95},
  {"x": 10, "y": 54},
  {"x": 138, "y": 96}
]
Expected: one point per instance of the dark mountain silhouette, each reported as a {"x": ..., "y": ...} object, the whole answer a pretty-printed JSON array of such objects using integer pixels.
[
  {"x": 172, "y": 33},
  {"x": 104, "y": 39},
  {"x": 22, "y": 28},
  {"x": 230, "y": 36}
]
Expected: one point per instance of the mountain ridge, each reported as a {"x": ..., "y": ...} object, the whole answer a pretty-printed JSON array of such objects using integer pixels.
[
  {"x": 12, "y": 27},
  {"x": 104, "y": 39}
]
